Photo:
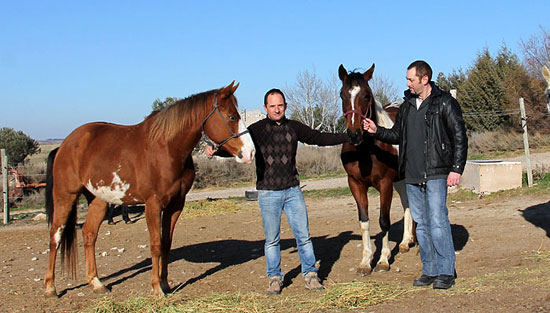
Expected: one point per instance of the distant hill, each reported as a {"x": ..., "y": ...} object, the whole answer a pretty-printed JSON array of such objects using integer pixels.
[{"x": 50, "y": 141}]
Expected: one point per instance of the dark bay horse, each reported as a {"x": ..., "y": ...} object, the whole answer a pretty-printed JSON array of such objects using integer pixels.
[
  {"x": 370, "y": 162},
  {"x": 149, "y": 163}
]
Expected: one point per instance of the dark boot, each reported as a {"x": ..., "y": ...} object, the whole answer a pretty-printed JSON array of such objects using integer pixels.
[
  {"x": 444, "y": 281},
  {"x": 424, "y": 280}
]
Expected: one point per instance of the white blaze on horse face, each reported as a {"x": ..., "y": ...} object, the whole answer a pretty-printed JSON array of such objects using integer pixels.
[
  {"x": 247, "y": 149},
  {"x": 112, "y": 193},
  {"x": 353, "y": 93},
  {"x": 57, "y": 236}
]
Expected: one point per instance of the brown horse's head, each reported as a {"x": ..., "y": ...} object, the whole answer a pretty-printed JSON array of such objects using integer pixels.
[
  {"x": 357, "y": 101},
  {"x": 225, "y": 127}
]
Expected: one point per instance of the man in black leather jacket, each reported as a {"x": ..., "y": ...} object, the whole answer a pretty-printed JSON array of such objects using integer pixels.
[{"x": 433, "y": 146}]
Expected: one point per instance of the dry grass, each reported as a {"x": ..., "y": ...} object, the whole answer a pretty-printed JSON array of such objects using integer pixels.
[
  {"x": 312, "y": 161},
  {"x": 350, "y": 296},
  {"x": 356, "y": 296},
  {"x": 215, "y": 207},
  {"x": 537, "y": 274},
  {"x": 480, "y": 143}
]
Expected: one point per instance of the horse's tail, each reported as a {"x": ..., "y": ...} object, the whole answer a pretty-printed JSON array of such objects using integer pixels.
[
  {"x": 49, "y": 186},
  {"x": 67, "y": 232},
  {"x": 68, "y": 244}
]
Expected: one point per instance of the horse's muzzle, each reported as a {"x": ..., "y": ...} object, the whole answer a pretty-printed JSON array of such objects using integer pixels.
[{"x": 356, "y": 137}]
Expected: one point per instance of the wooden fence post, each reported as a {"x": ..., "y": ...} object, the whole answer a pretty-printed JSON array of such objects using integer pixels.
[
  {"x": 5, "y": 191},
  {"x": 526, "y": 143}
]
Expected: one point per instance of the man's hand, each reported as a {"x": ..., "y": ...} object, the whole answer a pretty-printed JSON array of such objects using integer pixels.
[
  {"x": 369, "y": 126},
  {"x": 209, "y": 151},
  {"x": 453, "y": 179}
]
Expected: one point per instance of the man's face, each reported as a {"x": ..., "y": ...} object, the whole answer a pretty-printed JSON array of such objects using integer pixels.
[
  {"x": 275, "y": 107},
  {"x": 416, "y": 84}
]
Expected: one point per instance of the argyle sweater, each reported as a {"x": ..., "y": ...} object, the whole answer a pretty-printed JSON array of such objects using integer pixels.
[{"x": 276, "y": 147}]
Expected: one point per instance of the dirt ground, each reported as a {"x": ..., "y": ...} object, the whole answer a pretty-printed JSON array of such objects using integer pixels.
[{"x": 225, "y": 254}]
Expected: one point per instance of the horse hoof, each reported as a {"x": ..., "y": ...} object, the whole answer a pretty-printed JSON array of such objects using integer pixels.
[
  {"x": 165, "y": 287},
  {"x": 50, "y": 294},
  {"x": 364, "y": 271},
  {"x": 404, "y": 248},
  {"x": 101, "y": 290},
  {"x": 158, "y": 293},
  {"x": 382, "y": 267}
]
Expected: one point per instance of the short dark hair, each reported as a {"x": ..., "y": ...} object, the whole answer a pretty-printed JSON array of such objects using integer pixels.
[
  {"x": 274, "y": 91},
  {"x": 422, "y": 68}
]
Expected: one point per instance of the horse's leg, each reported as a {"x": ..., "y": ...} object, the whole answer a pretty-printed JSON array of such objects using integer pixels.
[
  {"x": 408, "y": 237},
  {"x": 169, "y": 220},
  {"x": 125, "y": 211},
  {"x": 96, "y": 213},
  {"x": 359, "y": 192},
  {"x": 62, "y": 209},
  {"x": 110, "y": 212},
  {"x": 386, "y": 193},
  {"x": 153, "y": 213}
]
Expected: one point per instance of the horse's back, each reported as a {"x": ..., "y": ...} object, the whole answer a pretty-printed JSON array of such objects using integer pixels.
[{"x": 94, "y": 146}]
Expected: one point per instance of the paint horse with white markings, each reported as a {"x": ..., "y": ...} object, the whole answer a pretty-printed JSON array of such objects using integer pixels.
[
  {"x": 149, "y": 163},
  {"x": 369, "y": 162}
]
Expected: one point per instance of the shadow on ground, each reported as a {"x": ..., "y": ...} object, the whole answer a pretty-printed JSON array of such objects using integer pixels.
[{"x": 538, "y": 215}]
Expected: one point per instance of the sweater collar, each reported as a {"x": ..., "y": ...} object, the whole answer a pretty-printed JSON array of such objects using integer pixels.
[{"x": 282, "y": 120}]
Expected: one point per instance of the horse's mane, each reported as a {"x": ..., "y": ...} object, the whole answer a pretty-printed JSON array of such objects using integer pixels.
[
  {"x": 169, "y": 121},
  {"x": 383, "y": 117}
]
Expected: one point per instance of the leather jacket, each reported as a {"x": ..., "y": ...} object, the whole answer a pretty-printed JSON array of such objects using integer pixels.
[{"x": 446, "y": 145}]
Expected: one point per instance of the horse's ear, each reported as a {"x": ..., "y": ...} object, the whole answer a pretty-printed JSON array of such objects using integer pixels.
[
  {"x": 368, "y": 73},
  {"x": 235, "y": 87},
  {"x": 342, "y": 72},
  {"x": 228, "y": 90},
  {"x": 546, "y": 74}
]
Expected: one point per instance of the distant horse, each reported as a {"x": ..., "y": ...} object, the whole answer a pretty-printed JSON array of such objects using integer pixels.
[
  {"x": 370, "y": 162},
  {"x": 124, "y": 209},
  {"x": 149, "y": 163}
]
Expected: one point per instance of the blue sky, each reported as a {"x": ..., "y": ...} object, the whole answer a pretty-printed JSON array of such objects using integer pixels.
[{"x": 66, "y": 63}]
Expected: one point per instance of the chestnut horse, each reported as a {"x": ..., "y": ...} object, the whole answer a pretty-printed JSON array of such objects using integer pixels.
[
  {"x": 370, "y": 162},
  {"x": 148, "y": 163}
]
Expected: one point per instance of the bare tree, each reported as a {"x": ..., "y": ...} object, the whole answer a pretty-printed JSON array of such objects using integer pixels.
[
  {"x": 314, "y": 102},
  {"x": 536, "y": 52},
  {"x": 333, "y": 104},
  {"x": 384, "y": 89}
]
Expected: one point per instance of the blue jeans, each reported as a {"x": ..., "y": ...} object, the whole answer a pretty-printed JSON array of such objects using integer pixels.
[
  {"x": 272, "y": 204},
  {"x": 429, "y": 210}
]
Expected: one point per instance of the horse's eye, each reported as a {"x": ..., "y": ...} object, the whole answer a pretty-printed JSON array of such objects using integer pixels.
[{"x": 233, "y": 118}]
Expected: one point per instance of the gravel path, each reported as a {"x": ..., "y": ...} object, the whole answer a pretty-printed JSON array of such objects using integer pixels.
[{"x": 240, "y": 192}]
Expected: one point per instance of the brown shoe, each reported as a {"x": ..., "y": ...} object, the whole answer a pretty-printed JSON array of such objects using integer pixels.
[
  {"x": 313, "y": 282},
  {"x": 275, "y": 285}
]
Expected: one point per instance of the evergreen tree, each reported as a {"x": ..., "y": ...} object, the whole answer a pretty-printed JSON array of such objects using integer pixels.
[
  {"x": 159, "y": 104},
  {"x": 482, "y": 96},
  {"x": 452, "y": 81},
  {"x": 18, "y": 145}
]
